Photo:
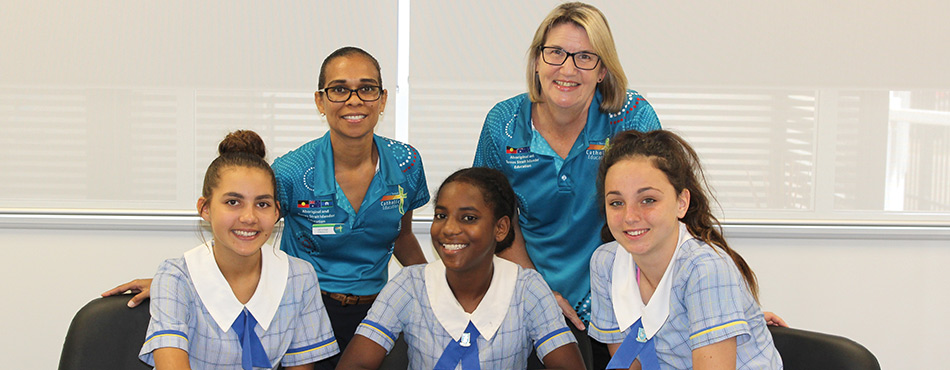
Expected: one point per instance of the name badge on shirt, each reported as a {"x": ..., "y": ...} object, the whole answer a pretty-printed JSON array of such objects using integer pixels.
[{"x": 328, "y": 229}]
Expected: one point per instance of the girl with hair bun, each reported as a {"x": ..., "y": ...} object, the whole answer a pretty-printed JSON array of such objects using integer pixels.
[
  {"x": 227, "y": 304},
  {"x": 347, "y": 197},
  {"x": 668, "y": 292},
  {"x": 470, "y": 308}
]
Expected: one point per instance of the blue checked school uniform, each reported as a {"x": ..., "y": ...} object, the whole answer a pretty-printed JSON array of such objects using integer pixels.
[
  {"x": 194, "y": 309},
  {"x": 517, "y": 313},
  {"x": 350, "y": 251},
  {"x": 700, "y": 300},
  {"x": 557, "y": 198}
]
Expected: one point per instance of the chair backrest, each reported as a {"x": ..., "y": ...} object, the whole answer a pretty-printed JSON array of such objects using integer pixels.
[
  {"x": 106, "y": 334},
  {"x": 802, "y": 349}
]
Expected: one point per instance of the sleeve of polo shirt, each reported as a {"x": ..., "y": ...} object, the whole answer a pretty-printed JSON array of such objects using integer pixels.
[
  {"x": 284, "y": 188},
  {"x": 713, "y": 298},
  {"x": 486, "y": 152},
  {"x": 644, "y": 120},
  {"x": 545, "y": 322},
  {"x": 421, "y": 196},
  {"x": 171, "y": 310},
  {"x": 313, "y": 338},
  {"x": 603, "y": 321},
  {"x": 385, "y": 320}
]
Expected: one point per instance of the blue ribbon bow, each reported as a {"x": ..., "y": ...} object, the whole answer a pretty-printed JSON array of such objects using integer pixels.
[
  {"x": 252, "y": 351},
  {"x": 633, "y": 346},
  {"x": 464, "y": 350}
]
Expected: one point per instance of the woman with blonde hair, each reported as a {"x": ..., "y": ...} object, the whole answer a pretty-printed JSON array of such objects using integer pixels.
[{"x": 548, "y": 142}]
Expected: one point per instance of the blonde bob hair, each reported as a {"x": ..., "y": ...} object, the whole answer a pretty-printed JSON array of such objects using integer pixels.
[{"x": 614, "y": 86}]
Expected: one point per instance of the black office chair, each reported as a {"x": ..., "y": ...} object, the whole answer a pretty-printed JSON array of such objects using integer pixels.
[
  {"x": 106, "y": 334},
  {"x": 808, "y": 350}
]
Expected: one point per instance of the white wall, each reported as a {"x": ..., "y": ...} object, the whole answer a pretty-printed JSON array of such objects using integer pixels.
[
  {"x": 885, "y": 292},
  {"x": 888, "y": 295}
]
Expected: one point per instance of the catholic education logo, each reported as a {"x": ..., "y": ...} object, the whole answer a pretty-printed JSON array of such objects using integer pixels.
[
  {"x": 595, "y": 151},
  {"x": 398, "y": 199}
]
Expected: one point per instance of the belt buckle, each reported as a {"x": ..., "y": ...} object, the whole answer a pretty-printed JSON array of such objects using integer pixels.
[{"x": 350, "y": 299}]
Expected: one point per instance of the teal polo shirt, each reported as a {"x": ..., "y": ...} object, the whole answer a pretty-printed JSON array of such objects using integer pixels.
[
  {"x": 560, "y": 214},
  {"x": 350, "y": 251}
]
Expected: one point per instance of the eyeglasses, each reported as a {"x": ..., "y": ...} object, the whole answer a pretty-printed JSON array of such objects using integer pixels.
[
  {"x": 556, "y": 56},
  {"x": 340, "y": 94}
]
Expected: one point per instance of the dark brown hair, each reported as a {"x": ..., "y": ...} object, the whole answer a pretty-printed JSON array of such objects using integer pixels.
[
  {"x": 496, "y": 192},
  {"x": 242, "y": 148},
  {"x": 672, "y": 155},
  {"x": 343, "y": 52}
]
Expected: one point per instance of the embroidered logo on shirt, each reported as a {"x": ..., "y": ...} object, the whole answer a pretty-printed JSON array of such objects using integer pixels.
[
  {"x": 511, "y": 150},
  {"x": 391, "y": 201},
  {"x": 315, "y": 203},
  {"x": 595, "y": 151},
  {"x": 520, "y": 158}
]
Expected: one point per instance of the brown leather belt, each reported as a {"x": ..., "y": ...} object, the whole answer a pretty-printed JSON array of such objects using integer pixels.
[{"x": 349, "y": 299}]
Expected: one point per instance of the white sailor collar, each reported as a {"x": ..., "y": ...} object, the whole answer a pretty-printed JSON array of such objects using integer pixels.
[
  {"x": 217, "y": 296},
  {"x": 628, "y": 306},
  {"x": 490, "y": 312}
]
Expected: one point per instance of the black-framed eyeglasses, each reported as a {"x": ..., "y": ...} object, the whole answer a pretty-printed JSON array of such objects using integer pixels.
[
  {"x": 340, "y": 94},
  {"x": 556, "y": 56}
]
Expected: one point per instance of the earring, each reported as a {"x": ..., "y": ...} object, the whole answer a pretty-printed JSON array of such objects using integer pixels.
[
  {"x": 323, "y": 115},
  {"x": 380, "y": 113}
]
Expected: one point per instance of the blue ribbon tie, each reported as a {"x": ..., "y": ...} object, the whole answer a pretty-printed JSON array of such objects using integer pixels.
[
  {"x": 464, "y": 350},
  {"x": 252, "y": 351},
  {"x": 634, "y": 346}
]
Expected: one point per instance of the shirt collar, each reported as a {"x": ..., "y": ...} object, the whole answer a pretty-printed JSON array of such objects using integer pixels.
[
  {"x": 386, "y": 166},
  {"x": 217, "y": 296},
  {"x": 600, "y": 130},
  {"x": 523, "y": 132},
  {"x": 628, "y": 306},
  {"x": 490, "y": 312}
]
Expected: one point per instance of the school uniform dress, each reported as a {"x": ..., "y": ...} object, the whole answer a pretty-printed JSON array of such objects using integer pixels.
[
  {"x": 557, "y": 198},
  {"x": 517, "y": 313},
  {"x": 193, "y": 308},
  {"x": 701, "y": 299},
  {"x": 350, "y": 251}
]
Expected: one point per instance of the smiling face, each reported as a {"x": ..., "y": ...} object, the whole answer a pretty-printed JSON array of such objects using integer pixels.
[
  {"x": 242, "y": 211},
  {"x": 566, "y": 86},
  {"x": 464, "y": 230},
  {"x": 642, "y": 207},
  {"x": 353, "y": 118}
]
